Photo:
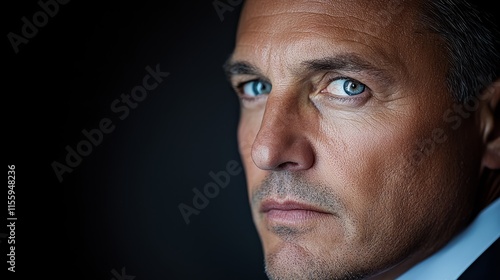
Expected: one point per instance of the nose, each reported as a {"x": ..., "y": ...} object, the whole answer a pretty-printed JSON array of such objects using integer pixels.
[{"x": 282, "y": 142}]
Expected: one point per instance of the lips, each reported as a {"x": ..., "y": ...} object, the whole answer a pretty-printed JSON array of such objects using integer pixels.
[
  {"x": 291, "y": 212},
  {"x": 288, "y": 205}
]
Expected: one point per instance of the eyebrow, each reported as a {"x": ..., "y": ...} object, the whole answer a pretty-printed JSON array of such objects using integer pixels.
[
  {"x": 233, "y": 68},
  {"x": 343, "y": 62}
]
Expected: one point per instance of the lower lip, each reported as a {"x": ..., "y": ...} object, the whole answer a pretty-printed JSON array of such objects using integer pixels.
[{"x": 295, "y": 216}]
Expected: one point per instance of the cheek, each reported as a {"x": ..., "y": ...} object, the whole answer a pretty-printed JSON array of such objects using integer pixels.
[
  {"x": 368, "y": 163},
  {"x": 362, "y": 153}
]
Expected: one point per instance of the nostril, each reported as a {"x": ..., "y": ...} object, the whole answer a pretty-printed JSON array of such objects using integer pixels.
[
  {"x": 282, "y": 154},
  {"x": 288, "y": 166}
]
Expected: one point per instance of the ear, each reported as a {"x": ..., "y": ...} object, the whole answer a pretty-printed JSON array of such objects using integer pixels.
[{"x": 490, "y": 125}]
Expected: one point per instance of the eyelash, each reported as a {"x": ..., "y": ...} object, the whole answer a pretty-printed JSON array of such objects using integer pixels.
[{"x": 346, "y": 100}]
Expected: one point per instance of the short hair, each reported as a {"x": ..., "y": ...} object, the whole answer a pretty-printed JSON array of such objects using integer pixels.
[{"x": 471, "y": 38}]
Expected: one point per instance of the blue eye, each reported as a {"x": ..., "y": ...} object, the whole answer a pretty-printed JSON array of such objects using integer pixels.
[
  {"x": 343, "y": 87},
  {"x": 256, "y": 88}
]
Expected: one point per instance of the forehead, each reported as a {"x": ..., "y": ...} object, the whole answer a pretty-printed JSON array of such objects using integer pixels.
[
  {"x": 324, "y": 10},
  {"x": 285, "y": 31}
]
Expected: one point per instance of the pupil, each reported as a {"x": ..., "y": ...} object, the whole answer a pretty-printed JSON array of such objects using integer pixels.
[
  {"x": 353, "y": 88},
  {"x": 257, "y": 87}
]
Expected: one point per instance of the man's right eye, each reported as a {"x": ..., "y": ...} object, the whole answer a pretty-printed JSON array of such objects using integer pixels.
[{"x": 255, "y": 88}]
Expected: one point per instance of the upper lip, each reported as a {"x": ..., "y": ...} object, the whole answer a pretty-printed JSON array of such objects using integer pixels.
[{"x": 287, "y": 205}]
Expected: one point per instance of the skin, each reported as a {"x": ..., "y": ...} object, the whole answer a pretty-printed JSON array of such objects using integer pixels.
[{"x": 353, "y": 158}]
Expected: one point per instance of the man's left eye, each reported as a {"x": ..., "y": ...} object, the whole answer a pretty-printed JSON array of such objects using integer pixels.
[{"x": 345, "y": 87}]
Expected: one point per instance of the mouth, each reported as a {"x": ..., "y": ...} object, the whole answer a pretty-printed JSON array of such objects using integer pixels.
[{"x": 290, "y": 213}]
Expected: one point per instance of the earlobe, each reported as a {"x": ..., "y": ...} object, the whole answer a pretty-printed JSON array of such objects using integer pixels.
[{"x": 490, "y": 119}]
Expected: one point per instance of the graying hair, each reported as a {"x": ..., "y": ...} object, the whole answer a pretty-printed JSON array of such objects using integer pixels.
[{"x": 472, "y": 42}]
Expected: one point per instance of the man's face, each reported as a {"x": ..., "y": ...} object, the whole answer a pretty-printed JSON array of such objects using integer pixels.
[{"x": 347, "y": 176}]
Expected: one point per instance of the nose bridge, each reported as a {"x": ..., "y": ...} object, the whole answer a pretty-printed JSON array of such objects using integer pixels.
[
  {"x": 281, "y": 113},
  {"x": 281, "y": 142}
]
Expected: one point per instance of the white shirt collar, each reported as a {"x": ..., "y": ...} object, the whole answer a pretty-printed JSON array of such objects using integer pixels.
[{"x": 456, "y": 256}]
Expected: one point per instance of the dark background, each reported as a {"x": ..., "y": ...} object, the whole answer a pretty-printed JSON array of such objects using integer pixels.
[{"x": 119, "y": 207}]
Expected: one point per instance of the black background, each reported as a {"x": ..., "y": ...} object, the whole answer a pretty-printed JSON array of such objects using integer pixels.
[{"x": 119, "y": 207}]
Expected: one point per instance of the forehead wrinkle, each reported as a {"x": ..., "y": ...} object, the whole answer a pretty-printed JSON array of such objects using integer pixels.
[
  {"x": 324, "y": 13},
  {"x": 306, "y": 13},
  {"x": 376, "y": 56},
  {"x": 391, "y": 54},
  {"x": 329, "y": 8},
  {"x": 290, "y": 6},
  {"x": 315, "y": 26},
  {"x": 306, "y": 22}
]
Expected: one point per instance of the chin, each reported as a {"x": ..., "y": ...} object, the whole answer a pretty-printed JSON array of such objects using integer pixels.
[
  {"x": 302, "y": 257},
  {"x": 291, "y": 261}
]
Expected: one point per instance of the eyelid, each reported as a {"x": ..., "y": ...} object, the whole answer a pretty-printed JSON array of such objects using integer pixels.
[
  {"x": 239, "y": 86},
  {"x": 354, "y": 100},
  {"x": 252, "y": 79},
  {"x": 332, "y": 79}
]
